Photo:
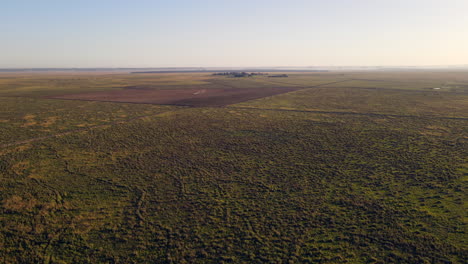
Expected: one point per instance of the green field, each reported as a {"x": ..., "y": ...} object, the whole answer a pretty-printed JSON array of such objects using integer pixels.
[{"x": 354, "y": 167}]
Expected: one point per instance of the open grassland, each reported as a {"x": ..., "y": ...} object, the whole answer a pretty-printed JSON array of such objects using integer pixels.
[
  {"x": 327, "y": 174},
  {"x": 364, "y": 100},
  {"x": 38, "y": 85},
  {"x": 24, "y": 118}
]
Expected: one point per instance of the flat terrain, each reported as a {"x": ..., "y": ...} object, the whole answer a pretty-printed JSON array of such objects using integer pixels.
[
  {"x": 184, "y": 97},
  {"x": 344, "y": 167}
]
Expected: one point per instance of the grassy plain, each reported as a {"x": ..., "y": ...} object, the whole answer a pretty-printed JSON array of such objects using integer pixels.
[{"x": 370, "y": 169}]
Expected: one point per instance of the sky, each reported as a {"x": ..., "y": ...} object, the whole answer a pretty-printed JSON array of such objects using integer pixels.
[{"x": 242, "y": 33}]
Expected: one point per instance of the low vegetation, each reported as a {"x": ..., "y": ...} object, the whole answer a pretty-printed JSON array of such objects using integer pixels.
[{"x": 325, "y": 174}]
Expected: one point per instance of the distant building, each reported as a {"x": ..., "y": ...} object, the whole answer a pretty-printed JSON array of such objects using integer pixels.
[{"x": 239, "y": 74}]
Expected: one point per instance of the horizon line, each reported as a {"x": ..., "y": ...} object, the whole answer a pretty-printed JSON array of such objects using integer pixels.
[{"x": 203, "y": 68}]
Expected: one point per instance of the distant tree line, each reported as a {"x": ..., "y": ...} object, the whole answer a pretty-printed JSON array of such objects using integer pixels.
[{"x": 239, "y": 74}]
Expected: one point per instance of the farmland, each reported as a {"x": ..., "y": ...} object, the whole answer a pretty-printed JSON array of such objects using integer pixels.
[
  {"x": 337, "y": 167},
  {"x": 184, "y": 97}
]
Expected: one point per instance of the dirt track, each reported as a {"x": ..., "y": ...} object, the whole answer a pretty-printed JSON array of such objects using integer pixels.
[{"x": 185, "y": 97}]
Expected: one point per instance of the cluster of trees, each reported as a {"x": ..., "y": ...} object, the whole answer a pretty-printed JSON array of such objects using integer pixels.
[{"x": 239, "y": 74}]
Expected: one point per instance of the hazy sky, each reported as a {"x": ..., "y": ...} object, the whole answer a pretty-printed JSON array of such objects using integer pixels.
[{"x": 186, "y": 33}]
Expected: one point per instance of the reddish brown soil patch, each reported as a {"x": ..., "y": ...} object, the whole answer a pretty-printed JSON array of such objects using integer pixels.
[{"x": 187, "y": 97}]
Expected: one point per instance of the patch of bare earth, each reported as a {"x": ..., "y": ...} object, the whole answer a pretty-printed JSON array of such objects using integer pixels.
[{"x": 184, "y": 97}]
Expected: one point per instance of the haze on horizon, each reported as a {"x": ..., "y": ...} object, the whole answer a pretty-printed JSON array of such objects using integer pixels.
[{"x": 209, "y": 33}]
